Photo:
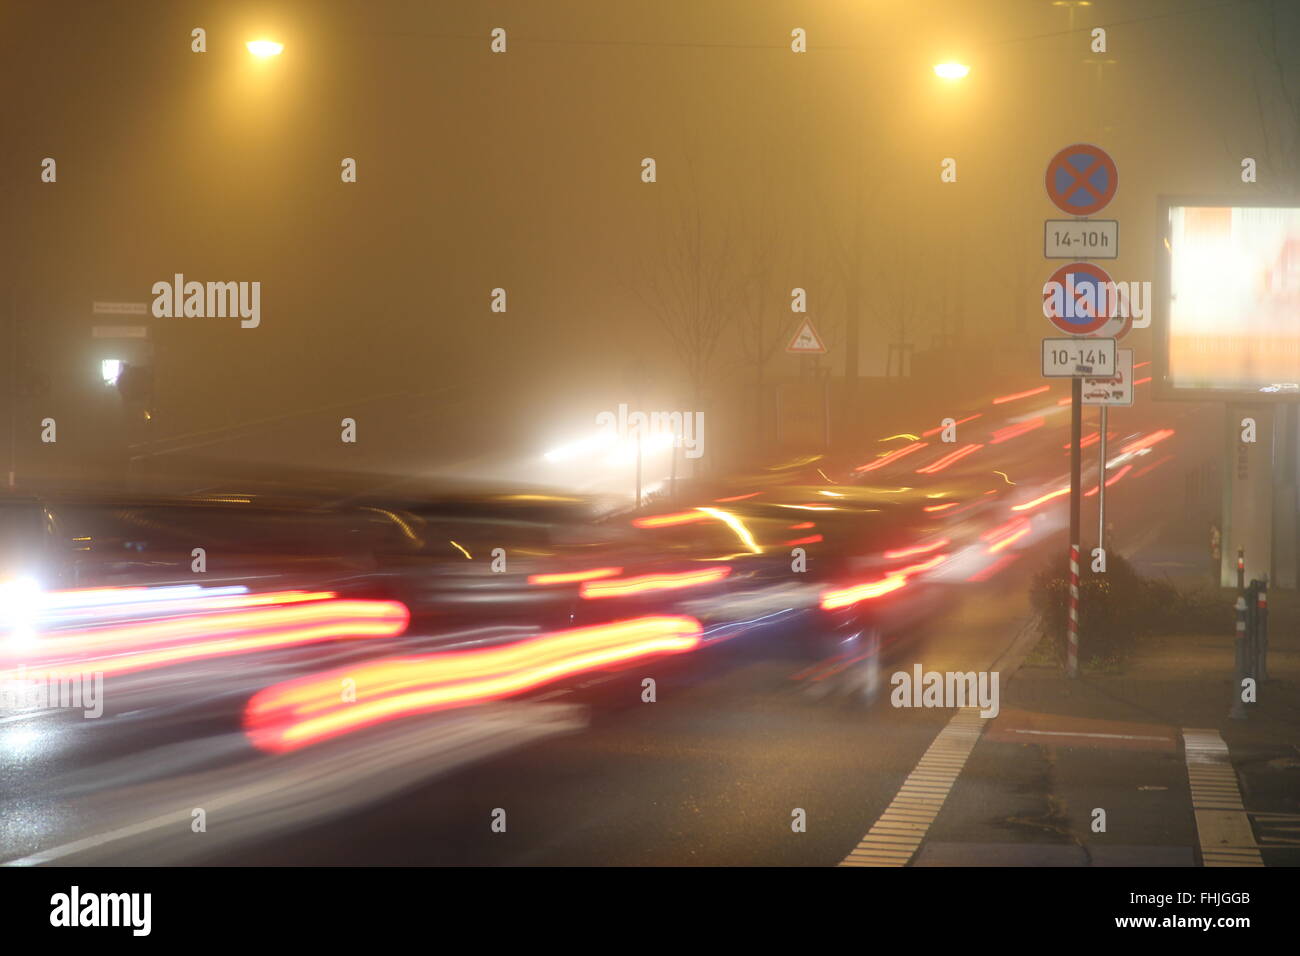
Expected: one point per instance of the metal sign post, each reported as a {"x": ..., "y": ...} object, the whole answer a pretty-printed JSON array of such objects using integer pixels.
[
  {"x": 1076, "y": 461},
  {"x": 1107, "y": 392},
  {"x": 637, "y": 377},
  {"x": 1101, "y": 484},
  {"x": 638, "y": 468},
  {"x": 1078, "y": 358}
]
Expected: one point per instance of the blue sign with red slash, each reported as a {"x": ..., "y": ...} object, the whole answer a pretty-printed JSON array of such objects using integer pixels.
[
  {"x": 1079, "y": 298},
  {"x": 1081, "y": 179}
]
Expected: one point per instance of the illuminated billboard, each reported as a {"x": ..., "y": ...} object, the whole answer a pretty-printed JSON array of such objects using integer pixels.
[{"x": 1230, "y": 300}]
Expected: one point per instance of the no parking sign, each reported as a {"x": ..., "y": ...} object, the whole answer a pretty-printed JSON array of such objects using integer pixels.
[
  {"x": 1081, "y": 299},
  {"x": 1082, "y": 179}
]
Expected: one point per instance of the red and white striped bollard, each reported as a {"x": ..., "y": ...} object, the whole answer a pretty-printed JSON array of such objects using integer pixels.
[{"x": 1072, "y": 624}]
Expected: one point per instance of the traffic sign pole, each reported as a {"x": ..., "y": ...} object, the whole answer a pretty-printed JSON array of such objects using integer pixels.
[
  {"x": 1081, "y": 180},
  {"x": 1101, "y": 484},
  {"x": 1076, "y": 462}
]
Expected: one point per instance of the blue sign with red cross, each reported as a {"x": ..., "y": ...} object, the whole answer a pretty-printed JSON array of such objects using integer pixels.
[{"x": 1081, "y": 179}]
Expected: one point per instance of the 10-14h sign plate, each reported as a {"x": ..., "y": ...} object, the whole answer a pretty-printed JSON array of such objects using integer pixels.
[{"x": 1067, "y": 358}]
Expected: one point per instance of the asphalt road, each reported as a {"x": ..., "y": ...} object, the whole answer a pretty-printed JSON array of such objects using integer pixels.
[{"x": 709, "y": 773}]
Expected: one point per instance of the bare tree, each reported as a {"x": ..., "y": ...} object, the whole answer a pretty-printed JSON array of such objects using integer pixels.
[
  {"x": 758, "y": 318},
  {"x": 898, "y": 293},
  {"x": 692, "y": 291},
  {"x": 877, "y": 269},
  {"x": 765, "y": 321}
]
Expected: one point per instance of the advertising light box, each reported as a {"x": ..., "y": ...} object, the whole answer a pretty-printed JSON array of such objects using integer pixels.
[{"x": 1230, "y": 299}]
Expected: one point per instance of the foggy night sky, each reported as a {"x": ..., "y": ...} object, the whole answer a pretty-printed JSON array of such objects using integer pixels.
[{"x": 522, "y": 170}]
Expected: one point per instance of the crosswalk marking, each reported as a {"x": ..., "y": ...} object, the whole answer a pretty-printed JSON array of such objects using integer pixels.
[
  {"x": 894, "y": 838},
  {"x": 1280, "y": 829},
  {"x": 1222, "y": 825}
]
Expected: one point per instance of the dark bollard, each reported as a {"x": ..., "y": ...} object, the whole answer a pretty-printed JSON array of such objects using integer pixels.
[
  {"x": 1261, "y": 633},
  {"x": 1238, "y": 709}
]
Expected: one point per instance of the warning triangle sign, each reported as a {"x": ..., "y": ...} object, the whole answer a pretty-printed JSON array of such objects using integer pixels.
[{"x": 806, "y": 341}]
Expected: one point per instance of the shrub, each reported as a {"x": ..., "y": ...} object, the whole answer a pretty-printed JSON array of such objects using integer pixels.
[{"x": 1119, "y": 607}]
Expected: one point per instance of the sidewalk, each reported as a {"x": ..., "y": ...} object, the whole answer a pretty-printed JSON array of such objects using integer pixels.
[{"x": 1142, "y": 753}]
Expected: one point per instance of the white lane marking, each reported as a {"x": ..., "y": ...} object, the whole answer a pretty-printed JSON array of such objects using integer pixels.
[
  {"x": 894, "y": 838},
  {"x": 549, "y": 694},
  {"x": 1222, "y": 824},
  {"x": 1080, "y": 733}
]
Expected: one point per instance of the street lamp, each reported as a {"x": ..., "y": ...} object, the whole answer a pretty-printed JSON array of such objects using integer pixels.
[
  {"x": 1070, "y": 5},
  {"x": 951, "y": 71},
  {"x": 264, "y": 48}
]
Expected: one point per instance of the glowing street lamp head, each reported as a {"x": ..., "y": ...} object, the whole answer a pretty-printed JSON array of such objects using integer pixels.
[
  {"x": 951, "y": 71},
  {"x": 265, "y": 48}
]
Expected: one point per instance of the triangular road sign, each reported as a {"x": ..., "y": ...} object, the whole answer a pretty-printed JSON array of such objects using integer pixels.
[{"x": 806, "y": 341}]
